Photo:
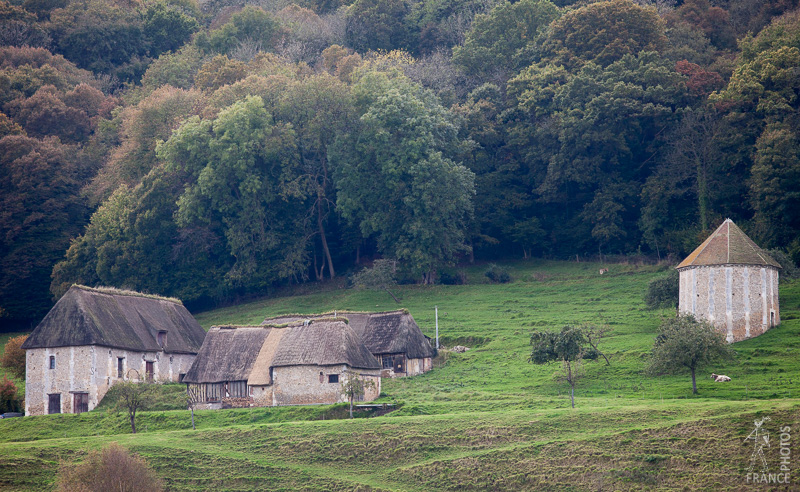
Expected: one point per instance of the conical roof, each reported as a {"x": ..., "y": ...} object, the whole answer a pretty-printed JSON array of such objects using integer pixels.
[{"x": 728, "y": 245}]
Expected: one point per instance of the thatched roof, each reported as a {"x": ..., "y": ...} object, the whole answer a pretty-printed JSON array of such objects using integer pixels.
[
  {"x": 392, "y": 332},
  {"x": 728, "y": 245},
  {"x": 117, "y": 319},
  {"x": 324, "y": 342},
  {"x": 228, "y": 354},
  {"x": 247, "y": 352}
]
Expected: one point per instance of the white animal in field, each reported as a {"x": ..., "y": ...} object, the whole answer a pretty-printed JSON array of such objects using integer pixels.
[
  {"x": 720, "y": 378},
  {"x": 603, "y": 270}
]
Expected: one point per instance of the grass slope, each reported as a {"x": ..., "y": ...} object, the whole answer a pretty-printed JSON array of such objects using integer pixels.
[{"x": 485, "y": 419}]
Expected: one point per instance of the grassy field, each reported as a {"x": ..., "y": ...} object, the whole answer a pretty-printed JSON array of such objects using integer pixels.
[{"x": 482, "y": 420}]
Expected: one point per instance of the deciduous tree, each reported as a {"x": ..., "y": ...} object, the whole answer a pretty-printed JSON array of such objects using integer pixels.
[{"x": 686, "y": 343}]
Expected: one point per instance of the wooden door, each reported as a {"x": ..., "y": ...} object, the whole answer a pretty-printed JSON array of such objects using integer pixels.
[
  {"x": 54, "y": 403},
  {"x": 80, "y": 402},
  {"x": 148, "y": 369}
]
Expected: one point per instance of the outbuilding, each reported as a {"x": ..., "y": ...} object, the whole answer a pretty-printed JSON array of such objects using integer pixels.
[
  {"x": 732, "y": 283},
  {"x": 95, "y": 337},
  {"x": 393, "y": 337},
  {"x": 298, "y": 363}
]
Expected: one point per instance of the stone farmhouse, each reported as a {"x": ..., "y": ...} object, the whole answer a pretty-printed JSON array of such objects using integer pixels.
[
  {"x": 393, "y": 337},
  {"x": 732, "y": 283},
  {"x": 94, "y": 338},
  {"x": 299, "y": 363}
]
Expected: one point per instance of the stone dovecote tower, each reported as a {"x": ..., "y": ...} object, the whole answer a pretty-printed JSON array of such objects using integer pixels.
[{"x": 732, "y": 283}]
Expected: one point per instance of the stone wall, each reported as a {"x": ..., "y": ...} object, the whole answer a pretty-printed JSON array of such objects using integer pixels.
[
  {"x": 740, "y": 301},
  {"x": 90, "y": 369},
  {"x": 418, "y": 366},
  {"x": 307, "y": 385}
]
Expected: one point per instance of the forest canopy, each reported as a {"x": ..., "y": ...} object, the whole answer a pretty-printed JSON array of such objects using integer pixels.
[{"x": 210, "y": 150}]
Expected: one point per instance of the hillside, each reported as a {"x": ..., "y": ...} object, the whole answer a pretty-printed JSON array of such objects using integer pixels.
[{"x": 485, "y": 419}]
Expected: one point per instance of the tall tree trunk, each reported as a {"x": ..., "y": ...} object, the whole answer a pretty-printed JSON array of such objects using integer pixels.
[
  {"x": 133, "y": 422},
  {"x": 694, "y": 383},
  {"x": 323, "y": 238},
  {"x": 351, "y": 406}
]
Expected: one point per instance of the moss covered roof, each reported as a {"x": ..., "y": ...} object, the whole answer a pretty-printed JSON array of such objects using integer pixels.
[{"x": 728, "y": 245}]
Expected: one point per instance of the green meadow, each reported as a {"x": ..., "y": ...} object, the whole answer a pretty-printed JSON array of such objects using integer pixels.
[{"x": 481, "y": 420}]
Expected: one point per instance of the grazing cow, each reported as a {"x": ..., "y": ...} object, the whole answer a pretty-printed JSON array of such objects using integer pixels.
[{"x": 720, "y": 378}]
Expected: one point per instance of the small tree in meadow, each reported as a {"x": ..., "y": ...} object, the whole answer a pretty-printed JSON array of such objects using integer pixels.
[
  {"x": 354, "y": 388},
  {"x": 382, "y": 276},
  {"x": 113, "y": 468},
  {"x": 14, "y": 356},
  {"x": 686, "y": 343},
  {"x": 570, "y": 346},
  {"x": 133, "y": 397},
  {"x": 663, "y": 292}
]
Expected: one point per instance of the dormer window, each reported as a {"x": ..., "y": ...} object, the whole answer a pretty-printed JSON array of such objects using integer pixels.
[{"x": 161, "y": 338}]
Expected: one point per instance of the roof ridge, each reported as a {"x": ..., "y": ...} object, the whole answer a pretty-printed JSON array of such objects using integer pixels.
[{"x": 115, "y": 291}]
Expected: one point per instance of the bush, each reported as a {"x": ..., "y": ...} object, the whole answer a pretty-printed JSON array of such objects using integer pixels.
[
  {"x": 14, "y": 357},
  {"x": 498, "y": 274},
  {"x": 452, "y": 277},
  {"x": 10, "y": 400},
  {"x": 113, "y": 468},
  {"x": 663, "y": 291}
]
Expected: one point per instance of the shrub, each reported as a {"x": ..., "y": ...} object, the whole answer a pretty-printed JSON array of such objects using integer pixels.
[
  {"x": 14, "y": 357},
  {"x": 113, "y": 468},
  {"x": 10, "y": 400},
  {"x": 498, "y": 274},
  {"x": 663, "y": 291},
  {"x": 452, "y": 277}
]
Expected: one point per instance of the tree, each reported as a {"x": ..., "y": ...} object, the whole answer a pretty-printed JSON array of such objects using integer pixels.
[
  {"x": 603, "y": 32},
  {"x": 14, "y": 356},
  {"x": 381, "y": 276},
  {"x": 377, "y": 25},
  {"x": 501, "y": 42},
  {"x": 570, "y": 346},
  {"x": 10, "y": 400},
  {"x": 685, "y": 342},
  {"x": 40, "y": 183},
  {"x": 419, "y": 200},
  {"x": 354, "y": 387},
  {"x": 132, "y": 397},
  {"x": 243, "y": 180},
  {"x": 113, "y": 468}
]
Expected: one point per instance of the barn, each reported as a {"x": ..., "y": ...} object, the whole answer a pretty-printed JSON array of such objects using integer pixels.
[
  {"x": 298, "y": 363},
  {"x": 393, "y": 337},
  {"x": 95, "y": 337},
  {"x": 732, "y": 283}
]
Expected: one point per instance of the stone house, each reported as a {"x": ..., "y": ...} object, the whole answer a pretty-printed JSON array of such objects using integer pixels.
[
  {"x": 393, "y": 337},
  {"x": 300, "y": 363},
  {"x": 732, "y": 283},
  {"x": 95, "y": 337}
]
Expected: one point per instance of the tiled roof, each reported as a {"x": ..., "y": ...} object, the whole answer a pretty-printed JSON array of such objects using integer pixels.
[{"x": 728, "y": 245}]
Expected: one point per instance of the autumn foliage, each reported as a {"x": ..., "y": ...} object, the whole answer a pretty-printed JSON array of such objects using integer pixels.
[{"x": 14, "y": 356}]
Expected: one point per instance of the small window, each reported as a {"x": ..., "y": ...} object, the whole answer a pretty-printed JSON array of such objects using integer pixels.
[
  {"x": 387, "y": 361},
  {"x": 162, "y": 338},
  {"x": 120, "y": 367},
  {"x": 54, "y": 403},
  {"x": 52, "y": 362},
  {"x": 333, "y": 378}
]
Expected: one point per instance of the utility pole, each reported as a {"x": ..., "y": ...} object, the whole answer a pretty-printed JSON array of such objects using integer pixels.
[{"x": 436, "y": 308}]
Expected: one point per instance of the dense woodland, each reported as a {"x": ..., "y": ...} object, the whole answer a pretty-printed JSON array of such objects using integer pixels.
[{"x": 214, "y": 150}]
